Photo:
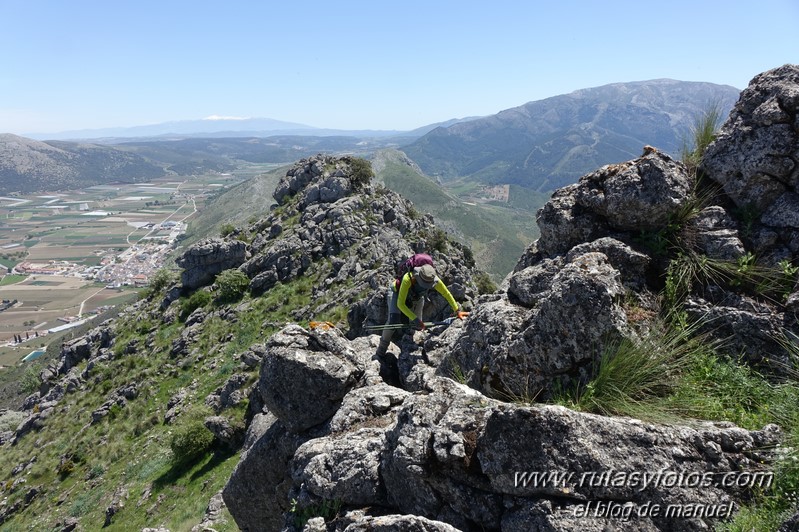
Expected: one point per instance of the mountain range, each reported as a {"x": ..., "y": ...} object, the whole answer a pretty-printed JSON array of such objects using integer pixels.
[
  {"x": 226, "y": 127},
  {"x": 540, "y": 145},
  {"x": 217, "y": 125},
  {"x": 549, "y": 143},
  {"x": 28, "y": 165}
]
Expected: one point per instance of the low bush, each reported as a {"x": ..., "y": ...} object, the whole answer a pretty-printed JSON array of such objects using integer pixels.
[
  {"x": 226, "y": 229},
  {"x": 197, "y": 300},
  {"x": 231, "y": 285},
  {"x": 162, "y": 279},
  {"x": 190, "y": 441},
  {"x": 361, "y": 173},
  {"x": 484, "y": 283}
]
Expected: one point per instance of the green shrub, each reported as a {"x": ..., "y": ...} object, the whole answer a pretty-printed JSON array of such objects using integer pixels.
[
  {"x": 361, "y": 172},
  {"x": 97, "y": 470},
  {"x": 484, "y": 283},
  {"x": 30, "y": 380},
  {"x": 437, "y": 240},
  {"x": 468, "y": 256},
  {"x": 197, "y": 300},
  {"x": 226, "y": 229},
  {"x": 11, "y": 420},
  {"x": 161, "y": 280},
  {"x": 231, "y": 285},
  {"x": 65, "y": 468},
  {"x": 190, "y": 441},
  {"x": 114, "y": 411}
]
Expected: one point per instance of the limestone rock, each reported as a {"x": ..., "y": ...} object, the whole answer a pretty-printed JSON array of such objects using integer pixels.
[
  {"x": 453, "y": 456},
  {"x": 394, "y": 523},
  {"x": 225, "y": 432},
  {"x": 754, "y": 154},
  {"x": 325, "y": 365},
  {"x": 207, "y": 258},
  {"x": 632, "y": 265},
  {"x": 348, "y": 237},
  {"x": 213, "y": 514},
  {"x": 369, "y": 404},
  {"x": 228, "y": 395},
  {"x": 715, "y": 234},
  {"x": 354, "y": 460},
  {"x": 174, "y": 406},
  {"x": 754, "y": 159},
  {"x": 639, "y": 195},
  {"x": 257, "y": 492},
  {"x": 554, "y": 335},
  {"x": 564, "y": 223}
]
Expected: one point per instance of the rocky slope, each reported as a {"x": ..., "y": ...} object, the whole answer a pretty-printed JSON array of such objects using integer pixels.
[
  {"x": 435, "y": 455},
  {"x": 460, "y": 441},
  {"x": 326, "y": 253}
]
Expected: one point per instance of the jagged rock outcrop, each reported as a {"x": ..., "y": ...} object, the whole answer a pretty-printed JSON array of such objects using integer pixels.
[
  {"x": 715, "y": 234},
  {"x": 213, "y": 515},
  {"x": 228, "y": 395},
  {"x": 548, "y": 330},
  {"x": 450, "y": 458},
  {"x": 207, "y": 258},
  {"x": 118, "y": 398},
  {"x": 639, "y": 195},
  {"x": 458, "y": 458},
  {"x": 61, "y": 376},
  {"x": 755, "y": 159},
  {"x": 324, "y": 363},
  {"x": 347, "y": 235},
  {"x": 358, "y": 521},
  {"x": 257, "y": 493},
  {"x": 74, "y": 352},
  {"x": 566, "y": 300}
]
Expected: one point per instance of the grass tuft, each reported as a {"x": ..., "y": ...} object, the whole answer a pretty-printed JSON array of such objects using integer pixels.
[
  {"x": 702, "y": 133},
  {"x": 633, "y": 376}
]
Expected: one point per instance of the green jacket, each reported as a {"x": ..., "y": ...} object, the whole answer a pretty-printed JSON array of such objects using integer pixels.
[{"x": 408, "y": 285}]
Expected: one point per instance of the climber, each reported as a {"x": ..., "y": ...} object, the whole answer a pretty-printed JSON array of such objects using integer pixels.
[{"x": 406, "y": 295}]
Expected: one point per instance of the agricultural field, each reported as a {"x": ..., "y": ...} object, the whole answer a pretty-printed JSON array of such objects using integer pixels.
[{"x": 67, "y": 256}]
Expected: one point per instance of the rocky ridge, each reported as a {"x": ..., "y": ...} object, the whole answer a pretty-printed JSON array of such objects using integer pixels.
[
  {"x": 453, "y": 454},
  {"x": 330, "y": 446},
  {"x": 331, "y": 235}
]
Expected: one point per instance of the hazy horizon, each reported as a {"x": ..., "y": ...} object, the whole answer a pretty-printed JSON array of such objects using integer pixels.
[{"x": 359, "y": 65}]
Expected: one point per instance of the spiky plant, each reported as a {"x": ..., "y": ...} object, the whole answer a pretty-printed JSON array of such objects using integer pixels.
[
  {"x": 702, "y": 134},
  {"x": 633, "y": 376}
]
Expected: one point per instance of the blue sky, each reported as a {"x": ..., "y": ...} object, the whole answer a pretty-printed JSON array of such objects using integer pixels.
[{"x": 79, "y": 64}]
